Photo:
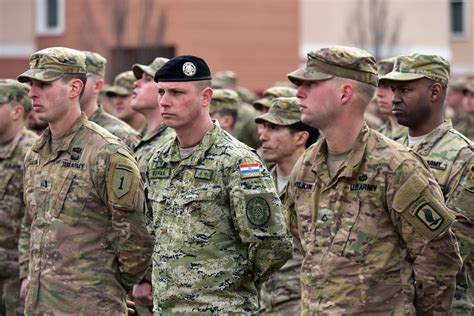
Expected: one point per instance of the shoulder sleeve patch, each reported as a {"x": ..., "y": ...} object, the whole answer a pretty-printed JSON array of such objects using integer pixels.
[
  {"x": 250, "y": 170},
  {"x": 122, "y": 181},
  {"x": 259, "y": 209}
]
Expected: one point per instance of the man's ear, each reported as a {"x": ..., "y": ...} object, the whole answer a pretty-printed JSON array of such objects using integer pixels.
[
  {"x": 98, "y": 85},
  {"x": 17, "y": 112},
  {"x": 346, "y": 92},
  {"x": 76, "y": 88},
  {"x": 435, "y": 91},
  {"x": 206, "y": 96},
  {"x": 301, "y": 138}
]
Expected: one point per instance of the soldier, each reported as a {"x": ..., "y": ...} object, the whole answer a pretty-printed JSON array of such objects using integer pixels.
[
  {"x": 90, "y": 105},
  {"x": 384, "y": 94},
  {"x": 419, "y": 85},
  {"x": 213, "y": 209},
  {"x": 368, "y": 213},
  {"x": 15, "y": 140},
  {"x": 83, "y": 241},
  {"x": 263, "y": 105},
  {"x": 121, "y": 95},
  {"x": 284, "y": 139},
  {"x": 224, "y": 108},
  {"x": 145, "y": 101},
  {"x": 454, "y": 98},
  {"x": 245, "y": 128},
  {"x": 465, "y": 123}
]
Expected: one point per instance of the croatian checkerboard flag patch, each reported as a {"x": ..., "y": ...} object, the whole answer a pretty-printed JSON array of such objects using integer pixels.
[{"x": 250, "y": 170}]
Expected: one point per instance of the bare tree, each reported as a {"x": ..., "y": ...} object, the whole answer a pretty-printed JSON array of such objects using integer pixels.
[{"x": 373, "y": 27}]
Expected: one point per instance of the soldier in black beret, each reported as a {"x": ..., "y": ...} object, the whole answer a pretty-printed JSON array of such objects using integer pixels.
[{"x": 213, "y": 207}]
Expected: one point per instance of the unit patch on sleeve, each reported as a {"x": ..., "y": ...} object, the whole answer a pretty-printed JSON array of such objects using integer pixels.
[
  {"x": 258, "y": 211},
  {"x": 429, "y": 217},
  {"x": 122, "y": 181}
]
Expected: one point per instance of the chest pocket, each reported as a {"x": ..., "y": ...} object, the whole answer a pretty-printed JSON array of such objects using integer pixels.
[{"x": 68, "y": 206}]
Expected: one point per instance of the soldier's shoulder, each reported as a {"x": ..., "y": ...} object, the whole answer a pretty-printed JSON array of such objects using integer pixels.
[
  {"x": 28, "y": 138},
  {"x": 99, "y": 137},
  {"x": 455, "y": 139},
  {"x": 232, "y": 149},
  {"x": 116, "y": 126}
]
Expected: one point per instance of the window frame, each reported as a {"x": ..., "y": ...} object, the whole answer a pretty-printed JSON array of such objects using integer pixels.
[{"x": 42, "y": 27}]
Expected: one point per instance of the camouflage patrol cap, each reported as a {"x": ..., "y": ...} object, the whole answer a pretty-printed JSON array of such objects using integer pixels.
[
  {"x": 417, "y": 66},
  {"x": 151, "y": 69},
  {"x": 284, "y": 111},
  {"x": 124, "y": 83},
  {"x": 271, "y": 93},
  {"x": 225, "y": 78},
  {"x": 95, "y": 63},
  {"x": 50, "y": 64},
  {"x": 338, "y": 61},
  {"x": 224, "y": 99},
  {"x": 458, "y": 85},
  {"x": 384, "y": 66},
  {"x": 13, "y": 91}
]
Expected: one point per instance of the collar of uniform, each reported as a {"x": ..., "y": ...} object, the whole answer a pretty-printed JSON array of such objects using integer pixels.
[
  {"x": 67, "y": 139},
  {"x": 354, "y": 158},
  {"x": 98, "y": 113},
  {"x": 7, "y": 151},
  {"x": 425, "y": 146},
  {"x": 200, "y": 150},
  {"x": 155, "y": 133}
]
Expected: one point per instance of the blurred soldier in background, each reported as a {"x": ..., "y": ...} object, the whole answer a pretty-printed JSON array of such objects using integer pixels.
[{"x": 224, "y": 108}]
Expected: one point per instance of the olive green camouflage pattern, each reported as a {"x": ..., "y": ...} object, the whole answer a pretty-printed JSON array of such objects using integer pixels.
[
  {"x": 95, "y": 63},
  {"x": 395, "y": 134},
  {"x": 450, "y": 157},
  {"x": 12, "y": 209},
  {"x": 270, "y": 94},
  {"x": 223, "y": 79},
  {"x": 385, "y": 66},
  {"x": 419, "y": 66},
  {"x": 281, "y": 293},
  {"x": 376, "y": 235},
  {"x": 124, "y": 83},
  {"x": 83, "y": 239},
  {"x": 218, "y": 226},
  {"x": 139, "y": 70},
  {"x": 11, "y": 91},
  {"x": 464, "y": 126},
  {"x": 224, "y": 99},
  {"x": 52, "y": 63},
  {"x": 458, "y": 84},
  {"x": 146, "y": 147},
  {"x": 338, "y": 61},
  {"x": 245, "y": 128},
  {"x": 284, "y": 112},
  {"x": 117, "y": 127}
]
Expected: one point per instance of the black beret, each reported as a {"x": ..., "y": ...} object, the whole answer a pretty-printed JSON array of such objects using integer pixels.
[{"x": 183, "y": 68}]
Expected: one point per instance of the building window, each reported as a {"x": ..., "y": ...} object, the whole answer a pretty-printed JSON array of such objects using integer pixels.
[
  {"x": 50, "y": 17},
  {"x": 458, "y": 17}
]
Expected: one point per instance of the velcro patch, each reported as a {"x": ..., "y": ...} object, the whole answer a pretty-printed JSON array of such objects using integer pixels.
[
  {"x": 159, "y": 173},
  {"x": 429, "y": 217},
  {"x": 250, "y": 170},
  {"x": 258, "y": 211},
  {"x": 122, "y": 181},
  {"x": 204, "y": 174}
]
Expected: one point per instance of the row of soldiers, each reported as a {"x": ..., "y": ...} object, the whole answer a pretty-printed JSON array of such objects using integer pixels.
[{"x": 372, "y": 220}]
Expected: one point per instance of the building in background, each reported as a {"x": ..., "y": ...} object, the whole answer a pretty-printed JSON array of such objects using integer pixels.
[{"x": 261, "y": 40}]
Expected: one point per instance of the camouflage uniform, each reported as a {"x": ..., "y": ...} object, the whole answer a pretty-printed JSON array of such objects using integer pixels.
[
  {"x": 450, "y": 156},
  {"x": 12, "y": 206},
  {"x": 83, "y": 240},
  {"x": 464, "y": 126},
  {"x": 270, "y": 94},
  {"x": 393, "y": 133},
  {"x": 376, "y": 234},
  {"x": 117, "y": 127},
  {"x": 218, "y": 226}
]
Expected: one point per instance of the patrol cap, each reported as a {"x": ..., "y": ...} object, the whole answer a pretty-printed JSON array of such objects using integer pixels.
[
  {"x": 151, "y": 69},
  {"x": 271, "y": 93},
  {"x": 124, "y": 83},
  {"x": 224, "y": 99},
  {"x": 13, "y": 91},
  {"x": 223, "y": 79},
  {"x": 184, "y": 68},
  {"x": 417, "y": 66},
  {"x": 337, "y": 61},
  {"x": 384, "y": 66},
  {"x": 50, "y": 64},
  {"x": 458, "y": 85},
  {"x": 284, "y": 111},
  {"x": 95, "y": 63}
]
